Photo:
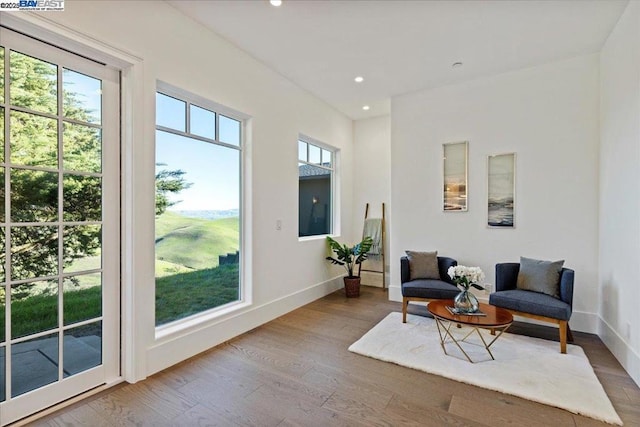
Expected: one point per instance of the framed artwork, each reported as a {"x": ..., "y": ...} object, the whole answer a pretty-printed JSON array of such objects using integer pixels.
[
  {"x": 455, "y": 175},
  {"x": 501, "y": 189}
]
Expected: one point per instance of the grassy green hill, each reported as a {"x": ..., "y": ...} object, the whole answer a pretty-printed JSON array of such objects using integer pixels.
[
  {"x": 178, "y": 296},
  {"x": 187, "y": 252},
  {"x": 40, "y": 312},
  {"x": 188, "y": 279},
  {"x": 187, "y": 244},
  {"x": 182, "y": 295}
]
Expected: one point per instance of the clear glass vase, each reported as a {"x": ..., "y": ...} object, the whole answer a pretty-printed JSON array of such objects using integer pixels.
[{"x": 466, "y": 302}]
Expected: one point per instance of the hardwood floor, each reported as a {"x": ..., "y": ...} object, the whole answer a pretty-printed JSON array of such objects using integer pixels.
[{"x": 296, "y": 371}]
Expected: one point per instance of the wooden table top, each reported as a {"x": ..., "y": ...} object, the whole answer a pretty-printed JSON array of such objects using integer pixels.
[{"x": 495, "y": 316}]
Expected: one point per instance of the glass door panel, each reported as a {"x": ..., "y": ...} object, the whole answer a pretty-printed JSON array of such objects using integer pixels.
[
  {"x": 82, "y": 148},
  {"x": 33, "y": 83},
  {"x": 58, "y": 166},
  {"x": 82, "y": 348},
  {"x": 34, "y": 308},
  {"x": 34, "y": 196},
  {"x": 34, "y": 140},
  {"x": 31, "y": 364}
]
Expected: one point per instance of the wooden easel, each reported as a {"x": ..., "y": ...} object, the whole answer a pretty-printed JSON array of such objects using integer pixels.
[{"x": 382, "y": 241}]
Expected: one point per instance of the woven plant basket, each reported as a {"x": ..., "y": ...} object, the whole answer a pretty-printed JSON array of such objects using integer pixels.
[{"x": 352, "y": 286}]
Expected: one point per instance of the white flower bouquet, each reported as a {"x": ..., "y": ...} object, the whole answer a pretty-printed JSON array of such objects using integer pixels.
[{"x": 466, "y": 277}]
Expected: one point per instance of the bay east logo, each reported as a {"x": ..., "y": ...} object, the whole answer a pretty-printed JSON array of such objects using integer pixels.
[
  {"x": 32, "y": 5},
  {"x": 42, "y": 5}
]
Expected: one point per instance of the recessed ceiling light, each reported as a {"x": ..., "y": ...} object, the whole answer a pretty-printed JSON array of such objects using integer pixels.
[
  {"x": 275, "y": 2},
  {"x": 359, "y": 79},
  {"x": 365, "y": 107},
  {"x": 456, "y": 64}
]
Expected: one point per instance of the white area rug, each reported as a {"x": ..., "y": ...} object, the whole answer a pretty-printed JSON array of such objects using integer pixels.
[{"x": 530, "y": 368}]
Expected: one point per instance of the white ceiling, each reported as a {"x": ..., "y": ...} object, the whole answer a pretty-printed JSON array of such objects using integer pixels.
[{"x": 403, "y": 46}]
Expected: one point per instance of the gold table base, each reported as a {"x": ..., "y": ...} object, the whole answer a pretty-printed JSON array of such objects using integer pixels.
[{"x": 444, "y": 330}]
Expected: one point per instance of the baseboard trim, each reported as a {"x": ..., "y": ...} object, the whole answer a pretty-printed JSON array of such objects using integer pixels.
[
  {"x": 373, "y": 279},
  {"x": 582, "y": 321},
  {"x": 627, "y": 356},
  {"x": 395, "y": 293},
  {"x": 178, "y": 349},
  {"x": 181, "y": 348}
]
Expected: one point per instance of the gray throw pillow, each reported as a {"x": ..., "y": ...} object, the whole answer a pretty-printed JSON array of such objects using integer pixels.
[
  {"x": 540, "y": 276},
  {"x": 423, "y": 265}
]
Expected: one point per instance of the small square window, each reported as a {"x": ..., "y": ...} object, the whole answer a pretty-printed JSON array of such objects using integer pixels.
[
  {"x": 229, "y": 130},
  {"x": 171, "y": 113},
  {"x": 314, "y": 154},
  {"x": 202, "y": 122},
  {"x": 326, "y": 158},
  {"x": 302, "y": 151}
]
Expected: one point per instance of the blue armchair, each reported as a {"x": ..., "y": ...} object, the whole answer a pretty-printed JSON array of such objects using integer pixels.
[
  {"x": 426, "y": 289},
  {"x": 535, "y": 305}
]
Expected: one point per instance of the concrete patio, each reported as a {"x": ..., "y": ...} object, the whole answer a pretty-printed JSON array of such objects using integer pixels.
[{"x": 35, "y": 363}]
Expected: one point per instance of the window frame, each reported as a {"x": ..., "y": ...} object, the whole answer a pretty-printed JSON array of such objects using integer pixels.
[
  {"x": 244, "y": 295},
  {"x": 334, "y": 176}
]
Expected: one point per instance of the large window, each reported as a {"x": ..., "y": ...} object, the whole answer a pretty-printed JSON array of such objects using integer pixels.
[
  {"x": 198, "y": 193},
  {"x": 316, "y": 166}
]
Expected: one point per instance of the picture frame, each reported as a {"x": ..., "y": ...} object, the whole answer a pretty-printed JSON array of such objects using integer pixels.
[
  {"x": 455, "y": 174},
  {"x": 501, "y": 190}
]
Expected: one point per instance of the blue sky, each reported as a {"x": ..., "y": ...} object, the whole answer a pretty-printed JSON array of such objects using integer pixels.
[
  {"x": 88, "y": 91},
  {"x": 213, "y": 170}
]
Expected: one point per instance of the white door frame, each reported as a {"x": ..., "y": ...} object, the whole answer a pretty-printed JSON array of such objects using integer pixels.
[
  {"x": 14, "y": 408},
  {"x": 133, "y": 349}
]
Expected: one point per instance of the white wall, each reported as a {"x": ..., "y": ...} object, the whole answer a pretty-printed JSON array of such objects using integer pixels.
[
  {"x": 620, "y": 191},
  {"x": 372, "y": 181},
  {"x": 284, "y": 272},
  {"x": 548, "y": 115}
]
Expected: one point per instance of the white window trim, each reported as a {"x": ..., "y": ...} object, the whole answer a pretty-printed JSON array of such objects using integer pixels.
[
  {"x": 180, "y": 327},
  {"x": 335, "y": 187},
  {"x": 200, "y": 101},
  {"x": 197, "y": 321}
]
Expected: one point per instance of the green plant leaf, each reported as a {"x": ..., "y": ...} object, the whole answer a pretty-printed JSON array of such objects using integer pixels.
[
  {"x": 334, "y": 261},
  {"x": 348, "y": 256}
]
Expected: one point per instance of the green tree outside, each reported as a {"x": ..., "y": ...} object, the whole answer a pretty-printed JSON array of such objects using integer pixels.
[
  {"x": 34, "y": 199},
  {"x": 34, "y": 194}
]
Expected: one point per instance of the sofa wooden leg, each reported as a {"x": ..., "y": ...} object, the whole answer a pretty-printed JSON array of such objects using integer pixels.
[
  {"x": 405, "y": 304},
  {"x": 563, "y": 336}
]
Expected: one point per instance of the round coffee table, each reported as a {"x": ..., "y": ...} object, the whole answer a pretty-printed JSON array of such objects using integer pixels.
[{"x": 493, "y": 318}]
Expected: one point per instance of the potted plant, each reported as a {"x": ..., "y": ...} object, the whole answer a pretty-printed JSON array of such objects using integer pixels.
[{"x": 349, "y": 257}]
